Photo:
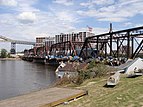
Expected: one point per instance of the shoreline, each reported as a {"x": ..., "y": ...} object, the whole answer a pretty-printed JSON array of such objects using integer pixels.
[{"x": 10, "y": 59}]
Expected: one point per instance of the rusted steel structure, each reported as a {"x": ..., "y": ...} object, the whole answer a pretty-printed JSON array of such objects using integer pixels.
[
  {"x": 40, "y": 51},
  {"x": 43, "y": 45},
  {"x": 124, "y": 43},
  {"x": 66, "y": 48},
  {"x": 40, "y": 55},
  {"x": 28, "y": 55}
]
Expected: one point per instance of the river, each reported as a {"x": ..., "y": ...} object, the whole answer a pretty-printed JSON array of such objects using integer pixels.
[{"x": 20, "y": 77}]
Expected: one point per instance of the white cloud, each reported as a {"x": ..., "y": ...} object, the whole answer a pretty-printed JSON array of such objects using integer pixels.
[
  {"x": 66, "y": 16},
  {"x": 85, "y": 4},
  {"x": 138, "y": 25},
  {"x": 8, "y": 2},
  {"x": 46, "y": 24},
  {"x": 128, "y": 24},
  {"x": 54, "y": 23},
  {"x": 26, "y": 5},
  {"x": 27, "y": 22},
  {"x": 91, "y": 3},
  {"x": 102, "y": 2},
  {"x": 117, "y": 12},
  {"x": 64, "y": 2},
  {"x": 27, "y": 17}
]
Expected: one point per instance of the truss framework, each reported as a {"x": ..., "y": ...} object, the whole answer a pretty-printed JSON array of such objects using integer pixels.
[
  {"x": 65, "y": 48},
  {"x": 127, "y": 43}
]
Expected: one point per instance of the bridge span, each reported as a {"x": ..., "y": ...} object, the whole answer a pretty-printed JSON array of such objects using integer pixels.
[{"x": 14, "y": 42}]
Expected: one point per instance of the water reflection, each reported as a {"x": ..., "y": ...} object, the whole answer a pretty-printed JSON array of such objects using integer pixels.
[{"x": 18, "y": 77}]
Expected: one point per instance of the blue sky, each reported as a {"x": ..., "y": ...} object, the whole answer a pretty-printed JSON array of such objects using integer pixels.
[{"x": 28, "y": 19}]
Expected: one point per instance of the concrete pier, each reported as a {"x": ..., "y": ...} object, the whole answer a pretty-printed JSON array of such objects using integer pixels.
[{"x": 43, "y": 98}]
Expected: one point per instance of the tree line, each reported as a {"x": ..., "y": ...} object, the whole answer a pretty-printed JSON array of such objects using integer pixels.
[{"x": 4, "y": 53}]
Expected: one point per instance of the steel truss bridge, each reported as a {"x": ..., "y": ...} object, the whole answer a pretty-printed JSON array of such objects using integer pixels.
[
  {"x": 14, "y": 42},
  {"x": 124, "y": 43},
  {"x": 65, "y": 48}
]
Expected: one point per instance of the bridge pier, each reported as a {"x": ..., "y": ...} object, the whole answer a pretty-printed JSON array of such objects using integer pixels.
[{"x": 13, "y": 48}]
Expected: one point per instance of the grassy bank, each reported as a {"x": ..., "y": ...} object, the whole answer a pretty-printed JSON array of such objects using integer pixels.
[{"x": 128, "y": 93}]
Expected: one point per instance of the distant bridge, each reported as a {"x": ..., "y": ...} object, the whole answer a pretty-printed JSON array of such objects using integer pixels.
[{"x": 14, "y": 42}]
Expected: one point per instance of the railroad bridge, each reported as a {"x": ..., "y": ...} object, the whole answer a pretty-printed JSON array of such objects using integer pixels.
[
  {"x": 126, "y": 43},
  {"x": 14, "y": 42},
  {"x": 123, "y": 43}
]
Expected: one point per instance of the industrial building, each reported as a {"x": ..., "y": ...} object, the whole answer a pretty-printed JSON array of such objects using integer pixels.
[
  {"x": 44, "y": 41},
  {"x": 73, "y": 37}
]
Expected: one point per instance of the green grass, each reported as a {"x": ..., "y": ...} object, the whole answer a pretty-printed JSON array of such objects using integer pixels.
[{"x": 127, "y": 93}]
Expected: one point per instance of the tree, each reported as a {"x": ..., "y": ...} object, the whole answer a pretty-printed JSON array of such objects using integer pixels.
[{"x": 3, "y": 53}]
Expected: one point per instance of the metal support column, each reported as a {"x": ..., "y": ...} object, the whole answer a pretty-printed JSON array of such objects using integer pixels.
[
  {"x": 105, "y": 50},
  {"x": 132, "y": 46},
  {"x": 97, "y": 47},
  {"x": 117, "y": 48},
  {"x": 86, "y": 50},
  {"x": 13, "y": 48},
  {"x": 111, "y": 44},
  {"x": 128, "y": 45},
  {"x": 64, "y": 48}
]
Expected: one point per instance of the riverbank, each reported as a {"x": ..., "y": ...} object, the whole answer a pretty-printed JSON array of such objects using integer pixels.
[
  {"x": 128, "y": 93},
  {"x": 9, "y": 59},
  {"x": 44, "y": 98}
]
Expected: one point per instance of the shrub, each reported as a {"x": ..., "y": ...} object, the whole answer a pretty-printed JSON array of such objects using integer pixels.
[
  {"x": 91, "y": 64},
  {"x": 100, "y": 70},
  {"x": 3, "y": 53},
  {"x": 93, "y": 70},
  {"x": 82, "y": 75}
]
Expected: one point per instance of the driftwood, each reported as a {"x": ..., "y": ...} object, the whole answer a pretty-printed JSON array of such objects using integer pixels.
[{"x": 114, "y": 79}]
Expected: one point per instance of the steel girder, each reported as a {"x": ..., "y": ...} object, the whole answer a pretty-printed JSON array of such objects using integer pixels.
[{"x": 117, "y": 44}]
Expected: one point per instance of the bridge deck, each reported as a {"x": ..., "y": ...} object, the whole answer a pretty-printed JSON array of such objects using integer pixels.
[{"x": 44, "y": 98}]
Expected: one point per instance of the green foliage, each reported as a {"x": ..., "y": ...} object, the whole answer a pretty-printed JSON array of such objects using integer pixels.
[
  {"x": 100, "y": 70},
  {"x": 93, "y": 70},
  {"x": 3, "y": 53},
  {"x": 82, "y": 75},
  {"x": 8, "y": 55},
  {"x": 91, "y": 64}
]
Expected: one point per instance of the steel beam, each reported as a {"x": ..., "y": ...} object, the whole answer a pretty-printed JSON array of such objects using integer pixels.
[
  {"x": 128, "y": 45},
  {"x": 111, "y": 44}
]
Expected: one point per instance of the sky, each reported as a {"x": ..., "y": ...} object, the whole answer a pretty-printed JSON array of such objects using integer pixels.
[{"x": 28, "y": 19}]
